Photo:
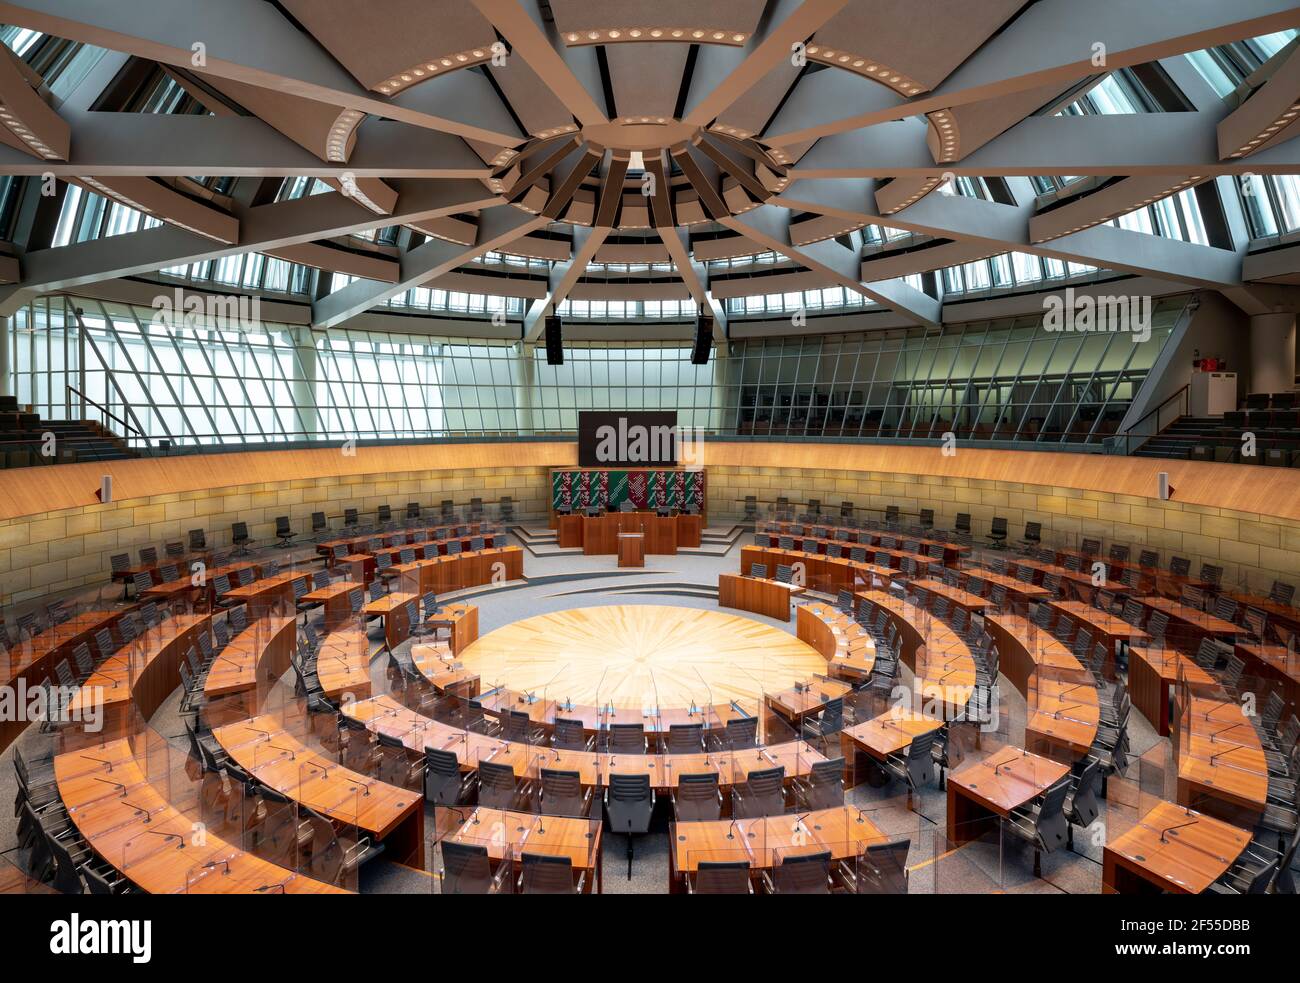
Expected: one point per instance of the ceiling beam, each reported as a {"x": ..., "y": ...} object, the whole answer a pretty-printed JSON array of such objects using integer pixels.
[
  {"x": 694, "y": 274},
  {"x": 246, "y": 41},
  {"x": 263, "y": 227},
  {"x": 1049, "y": 43},
  {"x": 497, "y": 227},
  {"x": 770, "y": 226},
  {"x": 528, "y": 41},
  {"x": 563, "y": 277},
  {"x": 1005, "y": 228},
  {"x": 761, "y": 55}
]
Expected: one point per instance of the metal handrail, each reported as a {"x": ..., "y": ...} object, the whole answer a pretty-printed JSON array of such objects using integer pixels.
[{"x": 106, "y": 411}]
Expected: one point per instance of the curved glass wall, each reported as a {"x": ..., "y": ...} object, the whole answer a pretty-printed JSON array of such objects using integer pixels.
[{"x": 214, "y": 379}]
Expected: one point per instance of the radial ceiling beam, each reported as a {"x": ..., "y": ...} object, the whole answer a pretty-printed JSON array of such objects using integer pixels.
[
  {"x": 1050, "y": 43},
  {"x": 694, "y": 274},
  {"x": 497, "y": 228},
  {"x": 243, "y": 40},
  {"x": 770, "y": 226},
  {"x": 611, "y": 190},
  {"x": 762, "y": 55},
  {"x": 1005, "y": 228},
  {"x": 563, "y": 277},
  {"x": 154, "y": 145},
  {"x": 564, "y": 191},
  {"x": 263, "y": 227},
  {"x": 529, "y": 42}
]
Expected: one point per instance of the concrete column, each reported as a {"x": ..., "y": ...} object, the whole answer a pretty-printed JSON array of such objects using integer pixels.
[
  {"x": 1272, "y": 353},
  {"x": 304, "y": 389},
  {"x": 6, "y": 387}
]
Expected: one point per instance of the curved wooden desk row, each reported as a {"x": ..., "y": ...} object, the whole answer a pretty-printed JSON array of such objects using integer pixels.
[
  {"x": 808, "y": 546},
  {"x": 343, "y": 664},
  {"x": 384, "y": 715},
  {"x": 761, "y": 595},
  {"x": 940, "y": 660},
  {"x": 848, "y": 649},
  {"x": 1063, "y": 702},
  {"x": 135, "y": 680},
  {"x": 824, "y": 573},
  {"x": 867, "y": 535},
  {"x": 127, "y": 575},
  {"x": 442, "y": 574},
  {"x": 277, "y": 757},
  {"x": 32, "y": 663},
  {"x": 184, "y": 586},
  {"x": 269, "y": 593},
  {"x": 109, "y": 800},
  {"x": 400, "y": 537}
]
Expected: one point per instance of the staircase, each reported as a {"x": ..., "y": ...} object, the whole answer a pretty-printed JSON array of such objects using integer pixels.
[
  {"x": 22, "y": 439},
  {"x": 1177, "y": 439}
]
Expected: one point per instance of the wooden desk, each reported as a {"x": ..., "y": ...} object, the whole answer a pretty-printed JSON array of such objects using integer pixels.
[
  {"x": 1277, "y": 664},
  {"x": 343, "y": 664},
  {"x": 391, "y": 608},
  {"x": 1171, "y": 849},
  {"x": 600, "y": 533},
  {"x": 1061, "y": 696},
  {"x": 796, "y": 703},
  {"x": 277, "y": 758},
  {"x": 892, "y": 732},
  {"x": 114, "y": 827},
  {"x": 770, "y": 598},
  {"x": 261, "y": 651},
  {"x": 1197, "y": 623},
  {"x": 972, "y": 603},
  {"x": 462, "y": 621},
  {"x": 1014, "y": 587},
  {"x": 266, "y": 595},
  {"x": 980, "y": 792},
  {"x": 850, "y": 652},
  {"x": 631, "y": 549},
  {"x": 1103, "y": 625},
  {"x": 445, "y": 573},
  {"x": 336, "y": 600},
  {"x": 942, "y": 663},
  {"x": 139, "y": 678},
  {"x": 504, "y": 832},
  {"x": 1151, "y": 673},
  {"x": 763, "y": 843},
  {"x": 1221, "y": 765},
  {"x": 30, "y": 663}
]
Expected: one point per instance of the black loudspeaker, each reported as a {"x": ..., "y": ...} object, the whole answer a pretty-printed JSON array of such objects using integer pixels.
[
  {"x": 554, "y": 346},
  {"x": 703, "y": 339}
]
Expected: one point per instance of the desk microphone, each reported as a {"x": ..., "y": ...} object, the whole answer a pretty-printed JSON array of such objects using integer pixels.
[{"x": 1170, "y": 829}]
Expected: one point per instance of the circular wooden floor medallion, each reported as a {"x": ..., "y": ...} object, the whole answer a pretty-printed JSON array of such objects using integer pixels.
[{"x": 641, "y": 655}]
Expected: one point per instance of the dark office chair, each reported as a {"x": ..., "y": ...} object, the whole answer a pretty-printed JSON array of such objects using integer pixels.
[
  {"x": 892, "y": 516},
  {"x": 761, "y": 794},
  {"x": 629, "y": 804},
  {"x": 319, "y": 525},
  {"x": 562, "y": 793},
  {"x": 239, "y": 536},
  {"x": 803, "y": 874},
  {"x": 350, "y": 518},
  {"x": 497, "y": 786},
  {"x": 413, "y": 510},
  {"x": 685, "y": 738},
  {"x": 882, "y": 869},
  {"x": 444, "y": 784},
  {"x": 1043, "y": 824},
  {"x": 627, "y": 739},
  {"x": 466, "y": 869},
  {"x": 998, "y": 533},
  {"x": 823, "y": 788},
  {"x": 927, "y": 519},
  {"x": 283, "y": 532},
  {"x": 741, "y": 733},
  {"x": 720, "y": 877},
  {"x": 543, "y": 874},
  {"x": 915, "y": 766},
  {"x": 697, "y": 797}
]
